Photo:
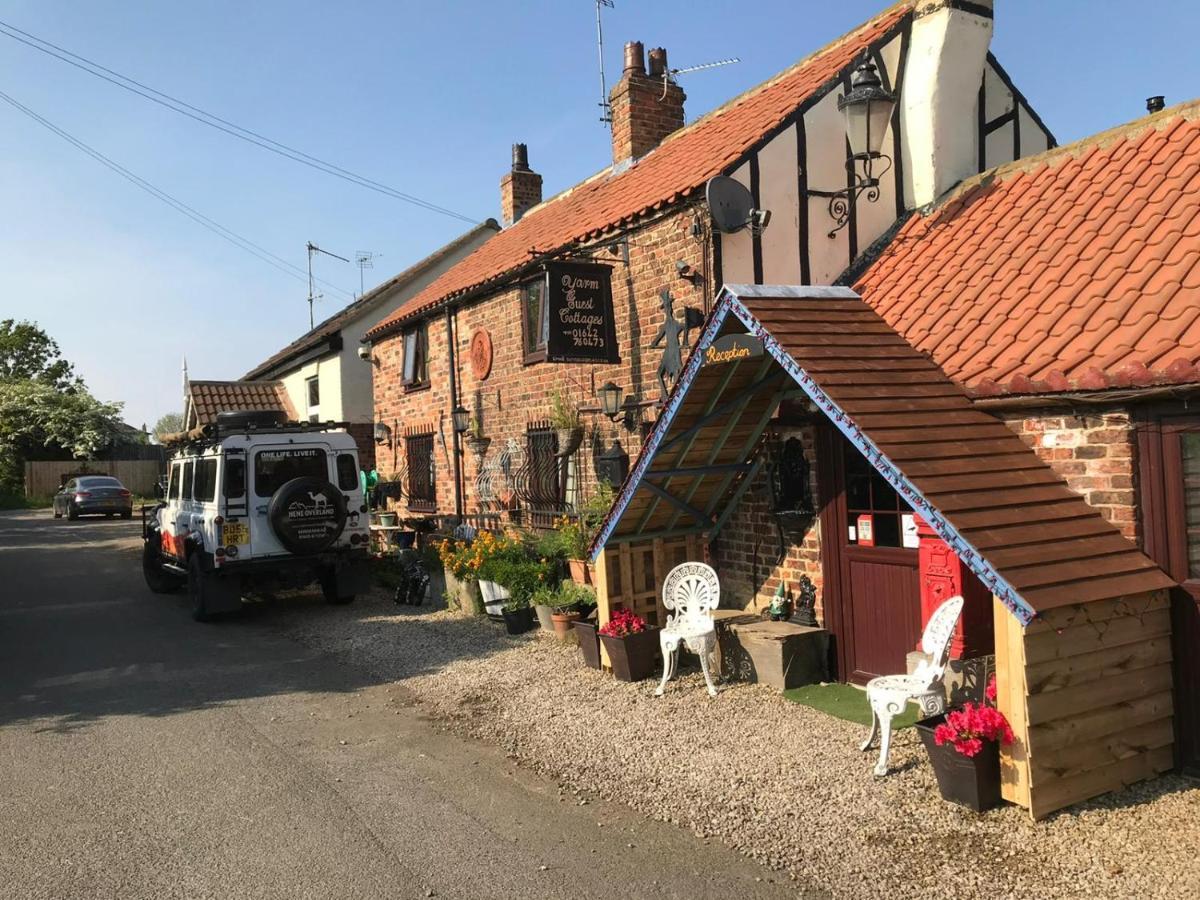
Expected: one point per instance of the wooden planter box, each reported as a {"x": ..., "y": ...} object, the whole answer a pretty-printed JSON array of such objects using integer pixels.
[
  {"x": 972, "y": 781},
  {"x": 589, "y": 643}
]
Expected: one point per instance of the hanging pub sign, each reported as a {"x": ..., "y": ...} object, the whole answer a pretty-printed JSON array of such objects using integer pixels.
[
  {"x": 733, "y": 347},
  {"x": 580, "y": 313}
]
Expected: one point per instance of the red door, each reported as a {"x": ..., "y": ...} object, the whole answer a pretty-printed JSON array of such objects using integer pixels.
[
  {"x": 872, "y": 594},
  {"x": 1169, "y": 475}
]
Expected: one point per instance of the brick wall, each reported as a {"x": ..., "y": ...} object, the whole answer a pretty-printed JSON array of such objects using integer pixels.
[
  {"x": 364, "y": 436},
  {"x": 1094, "y": 453},
  {"x": 515, "y": 394},
  {"x": 747, "y": 550}
]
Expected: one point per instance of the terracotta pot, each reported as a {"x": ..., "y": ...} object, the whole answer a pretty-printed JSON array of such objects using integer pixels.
[
  {"x": 589, "y": 643},
  {"x": 972, "y": 781},
  {"x": 563, "y": 620},
  {"x": 633, "y": 657},
  {"x": 581, "y": 571},
  {"x": 545, "y": 616}
]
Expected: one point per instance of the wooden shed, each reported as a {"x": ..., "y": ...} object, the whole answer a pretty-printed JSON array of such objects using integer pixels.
[{"x": 1081, "y": 620}]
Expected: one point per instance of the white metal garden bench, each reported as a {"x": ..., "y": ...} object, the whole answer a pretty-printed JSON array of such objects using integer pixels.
[
  {"x": 889, "y": 694},
  {"x": 692, "y": 590}
]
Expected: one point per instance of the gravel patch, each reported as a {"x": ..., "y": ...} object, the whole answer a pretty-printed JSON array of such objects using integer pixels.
[{"x": 779, "y": 782}]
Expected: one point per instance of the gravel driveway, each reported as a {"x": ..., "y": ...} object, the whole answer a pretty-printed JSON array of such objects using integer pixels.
[{"x": 779, "y": 782}]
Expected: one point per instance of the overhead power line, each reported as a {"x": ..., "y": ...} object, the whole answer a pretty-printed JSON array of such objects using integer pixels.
[
  {"x": 216, "y": 227},
  {"x": 214, "y": 121}
]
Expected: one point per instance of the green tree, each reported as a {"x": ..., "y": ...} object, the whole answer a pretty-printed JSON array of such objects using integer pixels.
[
  {"x": 27, "y": 353},
  {"x": 168, "y": 424},
  {"x": 37, "y": 418}
]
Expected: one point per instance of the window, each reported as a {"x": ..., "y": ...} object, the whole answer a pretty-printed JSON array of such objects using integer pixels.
[
  {"x": 235, "y": 477},
  {"x": 99, "y": 482},
  {"x": 173, "y": 484},
  {"x": 546, "y": 482},
  {"x": 274, "y": 468},
  {"x": 422, "y": 486},
  {"x": 416, "y": 352},
  {"x": 206, "y": 479},
  {"x": 188, "y": 468},
  {"x": 312, "y": 392},
  {"x": 535, "y": 319},
  {"x": 868, "y": 494},
  {"x": 347, "y": 469}
]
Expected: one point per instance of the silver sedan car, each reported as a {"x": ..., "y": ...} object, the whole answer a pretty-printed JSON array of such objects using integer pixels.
[{"x": 93, "y": 495}]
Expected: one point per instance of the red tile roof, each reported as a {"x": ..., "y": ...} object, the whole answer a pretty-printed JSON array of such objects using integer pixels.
[
  {"x": 211, "y": 397},
  {"x": 1075, "y": 270},
  {"x": 676, "y": 169}
]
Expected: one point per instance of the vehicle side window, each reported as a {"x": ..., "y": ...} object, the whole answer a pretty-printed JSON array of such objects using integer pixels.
[
  {"x": 69, "y": 487},
  {"x": 206, "y": 479},
  {"x": 173, "y": 485},
  {"x": 187, "y": 479},
  {"x": 347, "y": 470},
  {"x": 235, "y": 477}
]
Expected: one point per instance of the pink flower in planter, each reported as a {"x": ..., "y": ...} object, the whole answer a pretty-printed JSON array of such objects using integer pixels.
[
  {"x": 968, "y": 728},
  {"x": 990, "y": 691},
  {"x": 623, "y": 623}
]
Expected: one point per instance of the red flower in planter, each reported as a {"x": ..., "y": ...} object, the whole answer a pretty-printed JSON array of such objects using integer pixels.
[
  {"x": 990, "y": 691},
  {"x": 623, "y": 623},
  {"x": 969, "y": 727}
]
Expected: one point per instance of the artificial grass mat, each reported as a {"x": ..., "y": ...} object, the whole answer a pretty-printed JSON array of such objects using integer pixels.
[{"x": 845, "y": 701}]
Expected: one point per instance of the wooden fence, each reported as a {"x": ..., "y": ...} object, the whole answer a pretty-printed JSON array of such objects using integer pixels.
[{"x": 44, "y": 477}]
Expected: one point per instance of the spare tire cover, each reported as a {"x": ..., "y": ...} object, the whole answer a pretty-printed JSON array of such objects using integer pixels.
[{"x": 307, "y": 514}]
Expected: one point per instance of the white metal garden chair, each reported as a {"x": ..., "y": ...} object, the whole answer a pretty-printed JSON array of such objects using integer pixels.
[
  {"x": 692, "y": 590},
  {"x": 889, "y": 694}
]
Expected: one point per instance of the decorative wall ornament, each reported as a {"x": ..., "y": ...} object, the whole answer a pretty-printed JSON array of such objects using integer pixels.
[
  {"x": 673, "y": 334},
  {"x": 481, "y": 354},
  {"x": 494, "y": 487}
]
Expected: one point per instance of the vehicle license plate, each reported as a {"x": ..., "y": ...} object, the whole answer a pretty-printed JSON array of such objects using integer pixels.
[{"x": 236, "y": 533}]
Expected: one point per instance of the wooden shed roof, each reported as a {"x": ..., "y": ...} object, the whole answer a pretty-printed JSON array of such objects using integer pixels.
[{"x": 1008, "y": 515}]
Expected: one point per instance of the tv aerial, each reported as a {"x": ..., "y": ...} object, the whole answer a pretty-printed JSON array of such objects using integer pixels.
[
  {"x": 671, "y": 73},
  {"x": 364, "y": 259},
  {"x": 732, "y": 206}
]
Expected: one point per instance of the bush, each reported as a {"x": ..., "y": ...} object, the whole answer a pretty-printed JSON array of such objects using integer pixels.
[{"x": 520, "y": 574}]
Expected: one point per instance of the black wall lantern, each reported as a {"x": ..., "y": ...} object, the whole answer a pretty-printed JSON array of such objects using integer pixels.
[
  {"x": 461, "y": 418},
  {"x": 868, "y": 108},
  {"x": 610, "y": 400},
  {"x": 383, "y": 434}
]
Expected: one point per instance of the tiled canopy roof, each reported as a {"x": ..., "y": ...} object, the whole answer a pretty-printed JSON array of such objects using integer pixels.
[
  {"x": 1075, "y": 270},
  {"x": 676, "y": 169},
  {"x": 367, "y": 302},
  {"x": 1033, "y": 541},
  {"x": 211, "y": 397}
]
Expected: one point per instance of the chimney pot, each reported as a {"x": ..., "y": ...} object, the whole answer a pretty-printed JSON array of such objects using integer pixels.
[
  {"x": 634, "y": 59},
  {"x": 1156, "y": 103},
  {"x": 520, "y": 161},
  {"x": 658, "y": 62}
]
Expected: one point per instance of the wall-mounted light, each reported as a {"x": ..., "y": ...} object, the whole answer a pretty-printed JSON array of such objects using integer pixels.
[
  {"x": 383, "y": 434},
  {"x": 685, "y": 271},
  {"x": 610, "y": 400},
  {"x": 461, "y": 418},
  {"x": 868, "y": 109}
]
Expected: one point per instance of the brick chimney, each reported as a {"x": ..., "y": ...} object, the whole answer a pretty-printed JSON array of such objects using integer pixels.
[
  {"x": 641, "y": 115},
  {"x": 520, "y": 189}
]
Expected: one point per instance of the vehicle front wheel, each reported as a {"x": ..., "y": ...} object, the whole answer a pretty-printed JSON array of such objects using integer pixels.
[
  {"x": 197, "y": 584},
  {"x": 158, "y": 579}
]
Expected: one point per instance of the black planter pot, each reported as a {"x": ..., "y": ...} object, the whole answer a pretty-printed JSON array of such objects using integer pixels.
[
  {"x": 589, "y": 643},
  {"x": 973, "y": 781},
  {"x": 519, "y": 621},
  {"x": 634, "y": 657}
]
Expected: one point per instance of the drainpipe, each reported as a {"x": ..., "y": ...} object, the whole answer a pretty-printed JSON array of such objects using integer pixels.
[{"x": 450, "y": 342}]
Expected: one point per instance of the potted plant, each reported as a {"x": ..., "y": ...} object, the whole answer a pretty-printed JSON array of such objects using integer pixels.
[
  {"x": 476, "y": 440},
  {"x": 632, "y": 645},
  {"x": 575, "y": 539},
  {"x": 508, "y": 571},
  {"x": 518, "y": 616},
  {"x": 564, "y": 416},
  {"x": 461, "y": 574},
  {"x": 543, "y": 606},
  {"x": 964, "y": 749},
  {"x": 564, "y": 615}
]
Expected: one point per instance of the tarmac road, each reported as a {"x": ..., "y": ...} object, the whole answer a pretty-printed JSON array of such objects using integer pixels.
[{"x": 145, "y": 756}]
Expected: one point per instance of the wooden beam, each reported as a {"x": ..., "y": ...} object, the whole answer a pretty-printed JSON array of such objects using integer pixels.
[
  {"x": 686, "y": 471},
  {"x": 696, "y": 514},
  {"x": 715, "y": 413},
  {"x": 603, "y": 607}
]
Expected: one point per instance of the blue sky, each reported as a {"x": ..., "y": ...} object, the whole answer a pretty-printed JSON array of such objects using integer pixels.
[{"x": 426, "y": 97}]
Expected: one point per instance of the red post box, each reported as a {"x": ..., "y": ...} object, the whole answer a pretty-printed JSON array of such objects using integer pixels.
[{"x": 943, "y": 575}]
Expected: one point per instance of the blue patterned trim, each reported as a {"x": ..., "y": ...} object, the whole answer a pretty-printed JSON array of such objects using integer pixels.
[
  {"x": 1004, "y": 591},
  {"x": 729, "y": 302}
]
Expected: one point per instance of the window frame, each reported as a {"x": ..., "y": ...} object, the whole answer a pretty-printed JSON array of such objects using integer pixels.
[
  {"x": 416, "y": 502},
  {"x": 188, "y": 480},
  {"x": 535, "y": 351},
  {"x": 312, "y": 385},
  {"x": 419, "y": 334},
  {"x": 229, "y": 466},
  {"x": 207, "y": 464}
]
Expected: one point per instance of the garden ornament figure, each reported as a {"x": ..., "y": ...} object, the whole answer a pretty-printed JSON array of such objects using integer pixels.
[
  {"x": 779, "y": 603},
  {"x": 804, "y": 612}
]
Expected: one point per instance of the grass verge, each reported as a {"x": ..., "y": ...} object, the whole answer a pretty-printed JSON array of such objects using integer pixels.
[{"x": 845, "y": 701}]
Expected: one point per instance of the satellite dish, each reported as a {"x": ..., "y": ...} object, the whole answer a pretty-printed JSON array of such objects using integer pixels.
[{"x": 732, "y": 205}]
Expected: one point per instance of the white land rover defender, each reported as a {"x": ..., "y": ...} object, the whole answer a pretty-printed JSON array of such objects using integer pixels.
[{"x": 256, "y": 503}]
